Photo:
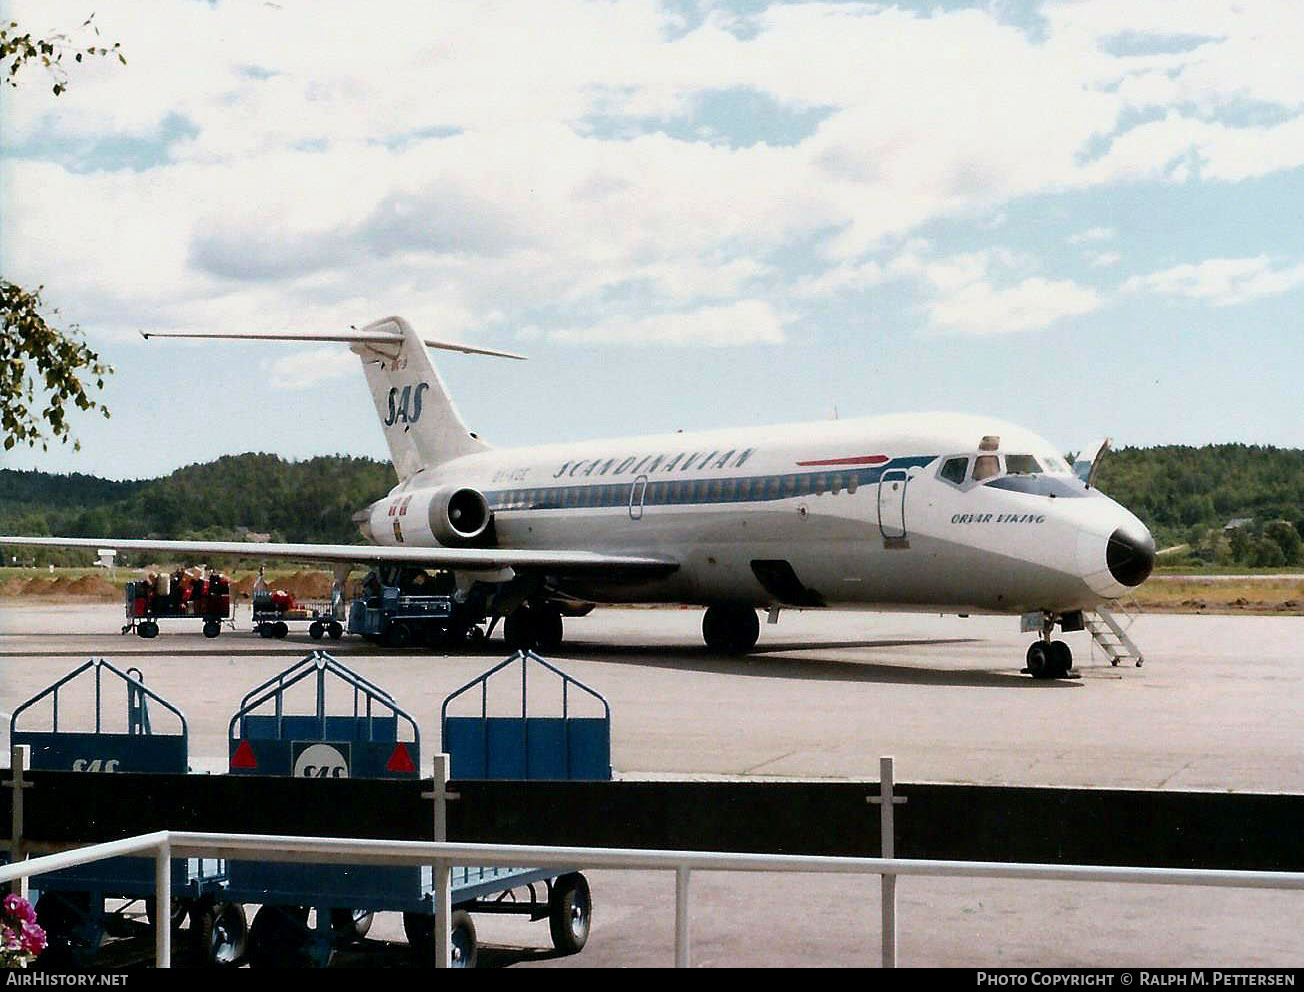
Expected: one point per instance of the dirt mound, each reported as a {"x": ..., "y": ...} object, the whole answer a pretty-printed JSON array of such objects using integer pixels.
[
  {"x": 92, "y": 585},
  {"x": 307, "y": 585}
]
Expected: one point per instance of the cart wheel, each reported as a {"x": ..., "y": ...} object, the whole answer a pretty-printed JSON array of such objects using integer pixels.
[
  {"x": 73, "y": 932},
  {"x": 570, "y": 913},
  {"x": 147, "y": 629},
  {"x": 315, "y": 630},
  {"x": 220, "y": 933},
  {"x": 264, "y": 630},
  {"x": 335, "y": 630},
  {"x": 180, "y": 908},
  {"x": 474, "y": 635},
  {"x": 280, "y": 938},
  {"x": 420, "y": 931},
  {"x": 280, "y": 629},
  {"x": 351, "y": 925},
  {"x": 212, "y": 628}
]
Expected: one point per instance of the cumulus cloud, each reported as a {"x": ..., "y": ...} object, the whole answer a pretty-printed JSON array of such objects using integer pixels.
[
  {"x": 1222, "y": 282},
  {"x": 542, "y": 161}
]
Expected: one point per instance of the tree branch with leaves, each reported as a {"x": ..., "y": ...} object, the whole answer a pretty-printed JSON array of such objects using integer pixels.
[
  {"x": 42, "y": 365},
  {"x": 44, "y": 372}
]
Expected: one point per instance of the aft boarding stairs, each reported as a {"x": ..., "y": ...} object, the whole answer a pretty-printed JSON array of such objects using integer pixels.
[{"x": 1110, "y": 634}]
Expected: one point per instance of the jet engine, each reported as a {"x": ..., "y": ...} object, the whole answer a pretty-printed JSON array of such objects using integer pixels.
[{"x": 452, "y": 516}]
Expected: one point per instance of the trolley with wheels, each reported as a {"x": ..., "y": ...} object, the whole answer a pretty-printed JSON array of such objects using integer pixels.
[
  {"x": 147, "y": 604},
  {"x": 353, "y": 728},
  {"x": 78, "y": 907},
  {"x": 272, "y": 617}
]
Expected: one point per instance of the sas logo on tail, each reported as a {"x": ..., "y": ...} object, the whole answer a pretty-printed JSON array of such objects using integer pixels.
[{"x": 405, "y": 404}]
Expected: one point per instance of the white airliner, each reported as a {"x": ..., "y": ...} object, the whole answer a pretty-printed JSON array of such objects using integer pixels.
[{"x": 938, "y": 513}]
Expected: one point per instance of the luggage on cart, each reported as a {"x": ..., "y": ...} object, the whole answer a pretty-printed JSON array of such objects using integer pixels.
[{"x": 72, "y": 902}]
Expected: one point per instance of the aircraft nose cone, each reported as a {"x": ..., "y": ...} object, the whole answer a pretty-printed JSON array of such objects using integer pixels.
[{"x": 1131, "y": 559}]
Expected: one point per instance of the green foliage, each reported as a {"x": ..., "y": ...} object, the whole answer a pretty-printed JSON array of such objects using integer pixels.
[
  {"x": 1189, "y": 495},
  {"x": 21, "y": 49},
  {"x": 41, "y": 365},
  {"x": 311, "y": 501}
]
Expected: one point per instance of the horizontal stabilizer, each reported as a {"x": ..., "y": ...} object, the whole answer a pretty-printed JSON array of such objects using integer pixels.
[{"x": 347, "y": 337}]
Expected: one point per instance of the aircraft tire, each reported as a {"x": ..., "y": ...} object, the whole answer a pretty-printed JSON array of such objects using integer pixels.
[
  {"x": 521, "y": 629},
  {"x": 547, "y": 628},
  {"x": 1061, "y": 659},
  {"x": 1038, "y": 659},
  {"x": 730, "y": 628}
]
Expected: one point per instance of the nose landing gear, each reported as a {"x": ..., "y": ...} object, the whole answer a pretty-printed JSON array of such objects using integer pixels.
[{"x": 1049, "y": 659}]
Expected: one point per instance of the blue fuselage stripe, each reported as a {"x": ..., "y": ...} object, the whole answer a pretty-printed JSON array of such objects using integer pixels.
[{"x": 692, "y": 492}]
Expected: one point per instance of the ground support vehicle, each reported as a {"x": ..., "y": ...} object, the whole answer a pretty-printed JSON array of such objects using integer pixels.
[
  {"x": 78, "y": 907},
  {"x": 307, "y": 911},
  {"x": 272, "y": 620},
  {"x": 145, "y": 609}
]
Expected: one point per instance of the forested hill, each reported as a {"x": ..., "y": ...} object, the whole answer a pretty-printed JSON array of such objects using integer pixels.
[
  {"x": 311, "y": 500},
  {"x": 1229, "y": 503}
]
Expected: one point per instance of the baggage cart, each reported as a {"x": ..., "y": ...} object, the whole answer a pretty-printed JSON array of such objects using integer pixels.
[
  {"x": 370, "y": 736},
  {"x": 272, "y": 619},
  {"x": 146, "y": 606},
  {"x": 79, "y": 906}
]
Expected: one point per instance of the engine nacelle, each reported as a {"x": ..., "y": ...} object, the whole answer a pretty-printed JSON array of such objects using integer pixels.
[{"x": 452, "y": 516}]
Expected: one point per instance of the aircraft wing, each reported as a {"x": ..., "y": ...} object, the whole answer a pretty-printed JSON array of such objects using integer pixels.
[{"x": 470, "y": 559}]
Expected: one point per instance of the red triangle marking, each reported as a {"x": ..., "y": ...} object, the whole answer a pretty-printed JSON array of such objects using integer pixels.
[
  {"x": 400, "y": 761},
  {"x": 244, "y": 757}
]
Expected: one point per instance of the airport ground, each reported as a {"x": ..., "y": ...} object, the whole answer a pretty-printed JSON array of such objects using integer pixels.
[{"x": 1216, "y": 707}]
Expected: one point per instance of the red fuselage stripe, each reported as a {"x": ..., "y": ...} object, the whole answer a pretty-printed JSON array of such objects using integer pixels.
[{"x": 857, "y": 460}]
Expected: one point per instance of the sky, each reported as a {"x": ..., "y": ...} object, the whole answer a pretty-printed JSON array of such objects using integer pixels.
[{"x": 1082, "y": 216}]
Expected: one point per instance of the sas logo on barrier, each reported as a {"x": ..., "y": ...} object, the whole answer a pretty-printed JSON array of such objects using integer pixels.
[
  {"x": 321, "y": 761},
  {"x": 95, "y": 765},
  {"x": 405, "y": 404}
]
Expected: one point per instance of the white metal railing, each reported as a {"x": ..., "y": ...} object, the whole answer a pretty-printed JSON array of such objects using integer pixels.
[{"x": 165, "y": 845}]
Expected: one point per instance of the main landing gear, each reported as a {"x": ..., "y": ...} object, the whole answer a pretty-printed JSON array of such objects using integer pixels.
[
  {"x": 730, "y": 628},
  {"x": 533, "y": 627},
  {"x": 1049, "y": 659}
]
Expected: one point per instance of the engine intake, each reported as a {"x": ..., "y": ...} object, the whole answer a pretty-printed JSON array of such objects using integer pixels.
[{"x": 458, "y": 515}]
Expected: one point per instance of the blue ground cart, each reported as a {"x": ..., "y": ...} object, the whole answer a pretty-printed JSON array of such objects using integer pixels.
[
  {"x": 353, "y": 728},
  {"x": 72, "y": 902}
]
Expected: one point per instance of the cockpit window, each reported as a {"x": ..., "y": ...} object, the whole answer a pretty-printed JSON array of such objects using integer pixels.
[
  {"x": 1022, "y": 465},
  {"x": 953, "y": 470},
  {"x": 985, "y": 466}
]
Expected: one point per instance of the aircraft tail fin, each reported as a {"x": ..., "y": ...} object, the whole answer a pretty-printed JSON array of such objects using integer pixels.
[{"x": 422, "y": 426}]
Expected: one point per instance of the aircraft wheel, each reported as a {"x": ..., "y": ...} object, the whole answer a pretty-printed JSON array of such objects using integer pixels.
[
  {"x": 420, "y": 931},
  {"x": 547, "y": 628},
  {"x": 220, "y": 933},
  {"x": 335, "y": 630},
  {"x": 520, "y": 629},
  {"x": 1038, "y": 659},
  {"x": 570, "y": 913},
  {"x": 730, "y": 628},
  {"x": 316, "y": 630},
  {"x": 1060, "y": 659}
]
